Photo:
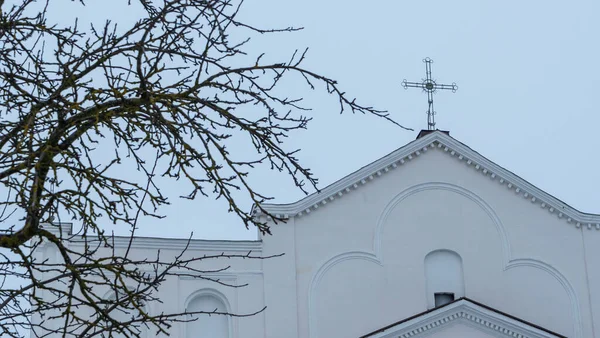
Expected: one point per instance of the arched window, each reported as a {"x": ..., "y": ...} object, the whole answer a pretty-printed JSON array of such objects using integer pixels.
[
  {"x": 444, "y": 275},
  {"x": 205, "y": 325}
]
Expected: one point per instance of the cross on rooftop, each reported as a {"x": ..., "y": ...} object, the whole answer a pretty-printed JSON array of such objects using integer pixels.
[{"x": 430, "y": 86}]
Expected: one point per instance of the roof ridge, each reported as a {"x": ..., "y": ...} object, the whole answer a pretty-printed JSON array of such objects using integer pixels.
[{"x": 416, "y": 148}]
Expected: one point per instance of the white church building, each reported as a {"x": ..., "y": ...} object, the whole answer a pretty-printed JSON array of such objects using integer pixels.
[{"x": 432, "y": 240}]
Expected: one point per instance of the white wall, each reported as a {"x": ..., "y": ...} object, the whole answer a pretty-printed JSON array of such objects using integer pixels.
[
  {"x": 358, "y": 263},
  {"x": 368, "y": 249},
  {"x": 177, "y": 291}
]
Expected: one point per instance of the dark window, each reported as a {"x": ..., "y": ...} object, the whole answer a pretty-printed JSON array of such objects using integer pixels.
[{"x": 443, "y": 298}]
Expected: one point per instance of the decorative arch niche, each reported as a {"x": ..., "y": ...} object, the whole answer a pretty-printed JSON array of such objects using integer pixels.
[
  {"x": 444, "y": 276},
  {"x": 205, "y": 325}
]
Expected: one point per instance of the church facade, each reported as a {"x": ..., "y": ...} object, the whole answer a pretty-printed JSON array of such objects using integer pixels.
[{"x": 432, "y": 240}]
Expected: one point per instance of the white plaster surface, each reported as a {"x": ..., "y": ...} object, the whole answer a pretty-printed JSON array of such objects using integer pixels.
[{"x": 356, "y": 264}]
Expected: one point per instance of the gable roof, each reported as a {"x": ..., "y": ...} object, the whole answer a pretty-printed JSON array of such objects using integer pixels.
[
  {"x": 478, "y": 315},
  {"x": 434, "y": 141}
]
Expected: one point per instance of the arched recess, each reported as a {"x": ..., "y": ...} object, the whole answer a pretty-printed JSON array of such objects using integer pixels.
[
  {"x": 216, "y": 325},
  {"x": 318, "y": 276},
  {"x": 506, "y": 249},
  {"x": 444, "y": 276},
  {"x": 564, "y": 282},
  {"x": 376, "y": 256}
]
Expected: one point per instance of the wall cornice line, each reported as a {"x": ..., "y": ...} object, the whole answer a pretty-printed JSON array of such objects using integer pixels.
[{"x": 121, "y": 242}]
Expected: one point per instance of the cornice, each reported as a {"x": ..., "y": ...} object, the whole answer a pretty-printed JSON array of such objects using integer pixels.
[
  {"x": 435, "y": 141},
  {"x": 121, "y": 242},
  {"x": 466, "y": 311}
]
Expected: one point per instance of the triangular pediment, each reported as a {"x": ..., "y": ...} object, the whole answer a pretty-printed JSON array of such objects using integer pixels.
[
  {"x": 466, "y": 318},
  {"x": 431, "y": 142}
]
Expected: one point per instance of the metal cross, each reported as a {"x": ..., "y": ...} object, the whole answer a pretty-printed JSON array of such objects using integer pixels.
[{"x": 430, "y": 86}]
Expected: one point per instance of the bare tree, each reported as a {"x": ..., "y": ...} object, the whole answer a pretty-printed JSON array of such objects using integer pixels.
[{"x": 165, "y": 96}]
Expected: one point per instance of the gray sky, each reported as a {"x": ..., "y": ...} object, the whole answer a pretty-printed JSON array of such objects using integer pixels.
[{"x": 527, "y": 73}]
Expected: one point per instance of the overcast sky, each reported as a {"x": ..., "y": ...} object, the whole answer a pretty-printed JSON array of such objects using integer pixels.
[{"x": 527, "y": 73}]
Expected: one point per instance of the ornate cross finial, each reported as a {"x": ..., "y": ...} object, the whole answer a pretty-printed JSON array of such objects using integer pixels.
[{"x": 430, "y": 86}]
